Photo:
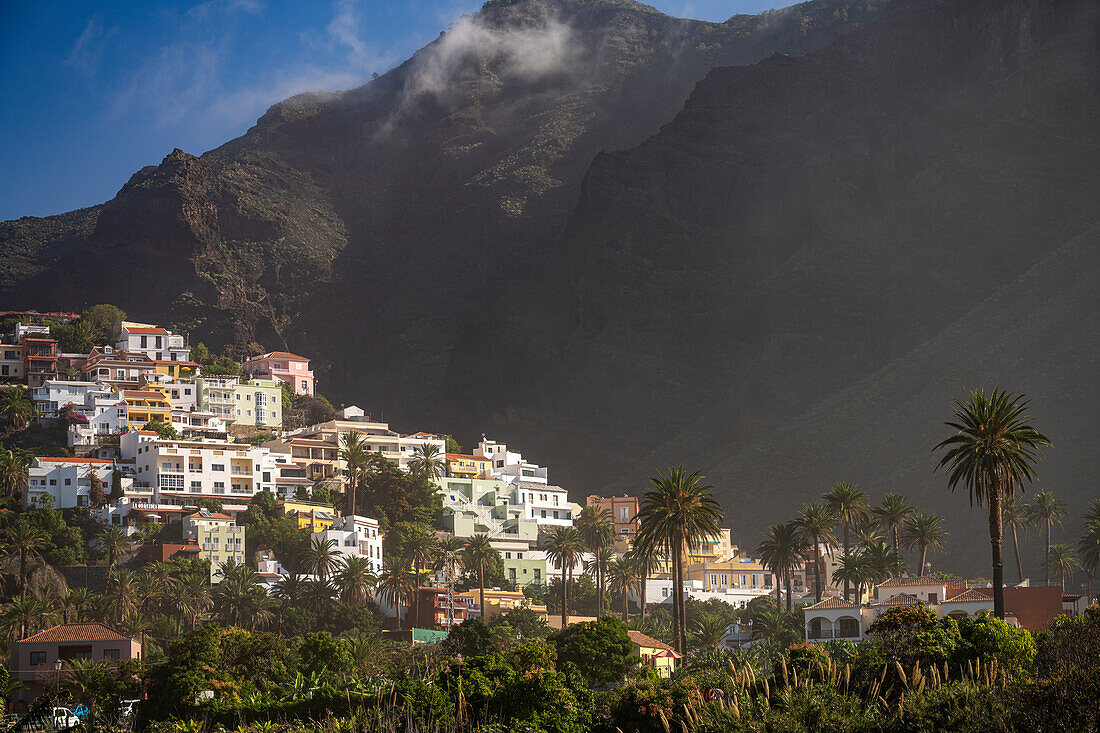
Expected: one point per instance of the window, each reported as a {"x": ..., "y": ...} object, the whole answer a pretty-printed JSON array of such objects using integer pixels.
[
  {"x": 623, "y": 514},
  {"x": 111, "y": 654},
  {"x": 68, "y": 482},
  {"x": 217, "y": 467},
  {"x": 170, "y": 481},
  {"x": 714, "y": 579},
  {"x": 196, "y": 485},
  {"x": 38, "y": 658},
  {"x": 219, "y": 485},
  {"x": 53, "y": 482},
  {"x": 725, "y": 580},
  {"x": 4, "y": 370}
]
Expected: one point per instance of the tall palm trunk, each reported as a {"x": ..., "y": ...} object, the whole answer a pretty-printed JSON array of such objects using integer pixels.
[
  {"x": 645, "y": 577},
  {"x": 1088, "y": 583},
  {"x": 481, "y": 589},
  {"x": 626, "y": 609},
  {"x": 923, "y": 556},
  {"x": 778, "y": 593},
  {"x": 416, "y": 598},
  {"x": 846, "y": 586},
  {"x": 1016, "y": 551},
  {"x": 897, "y": 538},
  {"x": 817, "y": 569},
  {"x": 677, "y": 588},
  {"x": 22, "y": 575},
  {"x": 1046, "y": 556},
  {"x": 564, "y": 596},
  {"x": 995, "y": 530},
  {"x": 790, "y": 601}
]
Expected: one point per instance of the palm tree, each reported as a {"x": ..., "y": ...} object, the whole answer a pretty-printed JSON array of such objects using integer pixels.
[
  {"x": 354, "y": 580},
  {"x": 24, "y": 613},
  {"x": 396, "y": 583},
  {"x": 891, "y": 513},
  {"x": 817, "y": 522},
  {"x": 771, "y": 623},
  {"x": 188, "y": 600},
  {"x": 354, "y": 454},
  {"x": 75, "y": 604},
  {"x": 420, "y": 549},
  {"x": 1063, "y": 558},
  {"x": 597, "y": 568},
  {"x": 1047, "y": 510},
  {"x": 318, "y": 595},
  {"x": 1017, "y": 514},
  {"x": 645, "y": 560},
  {"x": 427, "y": 462},
  {"x": 677, "y": 513},
  {"x": 623, "y": 577},
  {"x": 1090, "y": 552},
  {"x": 781, "y": 552},
  {"x": 708, "y": 632},
  {"x": 122, "y": 593},
  {"x": 564, "y": 549},
  {"x": 867, "y": 534},
  {"x": 114, "y": 542},
  {"x": 16, "y": 409},
  {"x": 993, "y": 452},
  {"x": 850, "y": 504},
  {"x": 23, "y": 542},
  {"x": 479, "y": 552},
  {"x": 852, "y": 570},
  {"x": 924, "y": 531},
  {"x": 322, "y": 556},
  {"x": 447, "y": 561},
  {"x": 13, "y": 478},
  {"x": 240, "y": 598},
  {"x": 289, "y": 590},
  {"x": 598, "y": 532},
  {"x": 883, "y": 561},
  {"x": 86, "y": 680},
  {"x": 1093, "y": 513}
]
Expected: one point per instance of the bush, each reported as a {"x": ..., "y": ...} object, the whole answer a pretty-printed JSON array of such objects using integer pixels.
[
  {"x": 601, "y": 649},
  {"x": 990, "y": 637}
]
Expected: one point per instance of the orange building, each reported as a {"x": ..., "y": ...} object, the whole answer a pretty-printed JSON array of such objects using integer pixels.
[{"x": 624, "y": 513}]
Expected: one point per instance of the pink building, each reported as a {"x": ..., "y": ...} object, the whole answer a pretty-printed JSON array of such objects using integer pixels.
[
  {"x": 284, "y": 366},
  {"x": 34, "y": 658}
]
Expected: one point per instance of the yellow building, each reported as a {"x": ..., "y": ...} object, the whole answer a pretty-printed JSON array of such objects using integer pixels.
[
  {"x": 219, "y": 538},
  {"x": 311, "y": 515},
  {"x": 740, "y": 572},
  {"x": 716, "y": 549},
  {"x": 497, "y": 602},
  {"x": 176, "y": 369},
  {"x": 653, "y": 653},
  {"x": 146, "y": 405},
  {"x": 460, "y": 465}
]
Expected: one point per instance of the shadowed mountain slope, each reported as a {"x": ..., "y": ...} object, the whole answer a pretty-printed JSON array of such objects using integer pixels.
[{"x": 805, "y": 266}]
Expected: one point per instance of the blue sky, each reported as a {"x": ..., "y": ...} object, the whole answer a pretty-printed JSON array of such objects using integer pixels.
[{"x": 94, "y": 91}]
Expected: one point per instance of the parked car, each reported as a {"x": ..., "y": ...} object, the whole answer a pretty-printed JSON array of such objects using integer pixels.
[{"x": 64, "y": 718}]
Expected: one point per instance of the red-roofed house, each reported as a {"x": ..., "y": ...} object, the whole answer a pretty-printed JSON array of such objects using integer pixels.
[
  {"x": 33, "y": 658},
  {"x": 836, "y": 618},
  {"x": 159, "y": 344},
  {"x": 284, "y": 366},
  {"x": 655, "y": 653}
]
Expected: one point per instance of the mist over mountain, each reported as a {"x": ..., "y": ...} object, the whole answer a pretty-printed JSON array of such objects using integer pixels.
[{"x": 772, "y": 248}]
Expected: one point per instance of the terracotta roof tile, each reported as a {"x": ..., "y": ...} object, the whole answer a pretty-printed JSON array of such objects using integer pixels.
[
  {"x": 903, "y": 581},
  {"x": 971, "y": 596},
  {"x": 647, "y": 641},
  {"x": 140, "y": 330},
  {"x": 465, "y": 457},
  {"x": 77, "y": 632},
  {"x": 901, "y": 599},
  {"x": 831, "y": 602},
  {"x": 64, "y": 459},
  {"x": 278, "y": 355}
]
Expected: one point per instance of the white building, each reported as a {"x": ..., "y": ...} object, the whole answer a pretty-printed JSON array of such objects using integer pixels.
[
  {"x": 192, "y": 423},
  {"x": 356, "y": 537},
  {"x": 182, "y": 395},
  {"x": 543, "y": 503},
  {"x": 508, "y": 465},
  {"x": 659, "y": 590},
  {"x": 54, "y": 394},
  {"x": 181, "y": 471},
  {"x": 106, "y": 414},
  {"x": 68, "y": 481},
  {"x": 159, "y": 344}
]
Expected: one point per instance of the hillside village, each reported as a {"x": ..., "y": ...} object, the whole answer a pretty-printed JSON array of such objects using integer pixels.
[{"x": 244, "y": 470}]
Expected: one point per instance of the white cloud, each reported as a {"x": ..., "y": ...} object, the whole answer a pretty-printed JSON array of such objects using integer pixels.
[{"x": 86, "y": 52}]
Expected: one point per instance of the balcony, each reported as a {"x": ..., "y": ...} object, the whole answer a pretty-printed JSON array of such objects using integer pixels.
[{"x": 819, "y": 635}]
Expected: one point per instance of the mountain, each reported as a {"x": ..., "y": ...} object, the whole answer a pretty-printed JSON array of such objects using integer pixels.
[
  {"x": 860, "y": 210},
  {"x": 402, "y": 200},
  {"x": 789, "y": 283}
]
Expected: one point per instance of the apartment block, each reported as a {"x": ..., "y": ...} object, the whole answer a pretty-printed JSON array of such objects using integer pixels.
[
  {"x": 219, "y": 538},
  {"x": 67, "y": 481},
  {"x": 178, "y": 472},
  {"x": 156, "y": 343},
  {"x": 355, "y": 536}
]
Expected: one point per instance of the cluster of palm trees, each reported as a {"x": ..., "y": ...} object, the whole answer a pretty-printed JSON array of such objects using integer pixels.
[
  {"x": 844, "y": 519},
  {"x": 426, "y": 462}
]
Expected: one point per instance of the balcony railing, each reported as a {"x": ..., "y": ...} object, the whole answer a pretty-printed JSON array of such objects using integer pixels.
[{"x": 821, "y": 634}]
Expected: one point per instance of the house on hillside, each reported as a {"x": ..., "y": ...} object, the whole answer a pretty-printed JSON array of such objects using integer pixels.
[
  {"x": 654, "y": 653},
  {"x": 37, "y": 659}
]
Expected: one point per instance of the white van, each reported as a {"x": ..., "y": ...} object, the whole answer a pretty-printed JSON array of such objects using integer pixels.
[{"x": 63, "y": 718}]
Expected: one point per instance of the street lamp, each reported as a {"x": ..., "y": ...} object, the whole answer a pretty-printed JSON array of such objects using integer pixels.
[{"x": 57, "y": 682}]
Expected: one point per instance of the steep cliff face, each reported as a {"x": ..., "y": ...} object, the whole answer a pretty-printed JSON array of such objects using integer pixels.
[
  {"x": 403, "y": 201},
  {"x": 789, "y": 283}
]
